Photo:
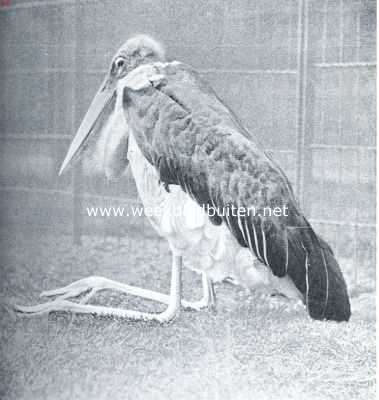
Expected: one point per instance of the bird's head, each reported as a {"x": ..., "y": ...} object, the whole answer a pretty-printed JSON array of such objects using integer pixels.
[{"x": 104, "y": 127}]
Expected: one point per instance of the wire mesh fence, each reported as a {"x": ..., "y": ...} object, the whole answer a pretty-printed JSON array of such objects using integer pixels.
[
  {"x": 341, "y": 129},
  {"x": 300, "y": 74}
]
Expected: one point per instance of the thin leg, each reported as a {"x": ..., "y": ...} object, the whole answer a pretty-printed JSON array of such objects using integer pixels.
[
  {"x": 61, "y": 304},
  {"x": 212, "y": 305},
  {"x": 208, "y": 300}
]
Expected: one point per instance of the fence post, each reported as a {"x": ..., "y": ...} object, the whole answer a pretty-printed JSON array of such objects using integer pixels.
[
  {"x": 303, "y": 137},
  {"x": 77, "y": 170}
]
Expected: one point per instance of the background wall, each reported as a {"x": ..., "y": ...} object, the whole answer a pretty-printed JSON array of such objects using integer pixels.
[{"x": 300, "y": 74}]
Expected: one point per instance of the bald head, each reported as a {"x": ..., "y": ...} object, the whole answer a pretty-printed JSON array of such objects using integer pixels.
[
  {"x": 139, "y": 49},
  {"x": 143, "y": 46}
]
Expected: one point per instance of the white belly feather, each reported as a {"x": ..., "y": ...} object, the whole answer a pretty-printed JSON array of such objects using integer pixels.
[{"x": 204, "y": 246}]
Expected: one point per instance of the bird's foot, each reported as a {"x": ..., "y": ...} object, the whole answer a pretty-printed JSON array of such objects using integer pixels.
[
  {"x": 94, "y": 284},
  {"x": 199, "y": 305},
  {"x": 90, "y": 286},
  {"x": 70, "y": 306},
  {"x": 207, "y": 301}
]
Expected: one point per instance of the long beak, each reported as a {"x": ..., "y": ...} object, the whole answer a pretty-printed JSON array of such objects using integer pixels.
[{"x": 95, "y": 114}]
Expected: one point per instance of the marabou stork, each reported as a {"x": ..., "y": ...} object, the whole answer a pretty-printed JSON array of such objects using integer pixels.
[{"x": 187, "y": 149}]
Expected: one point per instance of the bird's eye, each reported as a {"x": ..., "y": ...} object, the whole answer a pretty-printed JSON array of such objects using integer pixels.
[{"x": 120, "y": 62}]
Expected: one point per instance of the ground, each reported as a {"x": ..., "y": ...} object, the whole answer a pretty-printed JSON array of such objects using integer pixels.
[{"x": 249, "y": 349}]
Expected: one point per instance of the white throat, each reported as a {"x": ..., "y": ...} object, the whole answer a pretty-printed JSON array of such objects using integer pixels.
[{"x": 145, "y": 175}]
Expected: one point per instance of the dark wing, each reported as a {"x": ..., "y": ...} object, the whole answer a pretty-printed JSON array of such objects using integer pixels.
[{"x": 196, "y": 142}]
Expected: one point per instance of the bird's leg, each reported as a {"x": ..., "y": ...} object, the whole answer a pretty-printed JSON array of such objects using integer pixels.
[
  {"x": 62, "y": 304},
  {"x": 209, "y": 298}
]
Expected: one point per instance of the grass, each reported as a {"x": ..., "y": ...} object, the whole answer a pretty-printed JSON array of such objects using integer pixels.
[{"x": 249, "y": 349}]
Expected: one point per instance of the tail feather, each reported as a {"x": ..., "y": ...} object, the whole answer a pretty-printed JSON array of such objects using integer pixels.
[{"x": 315, "y": 272}]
